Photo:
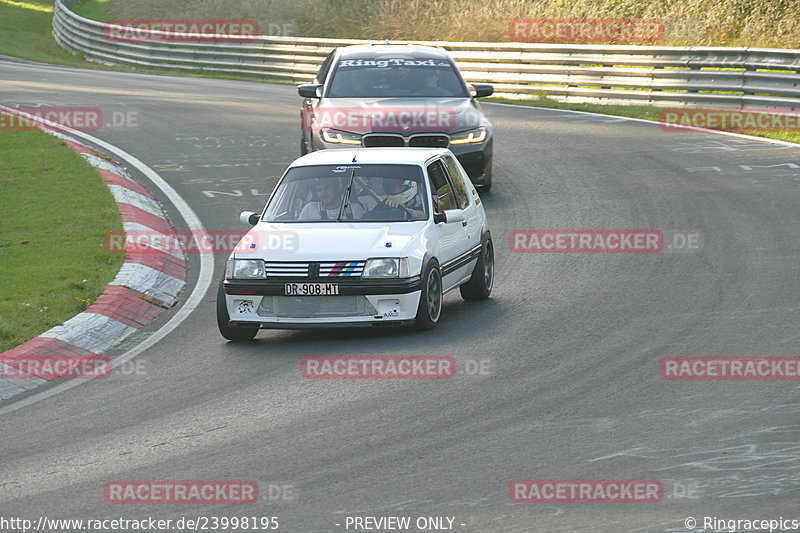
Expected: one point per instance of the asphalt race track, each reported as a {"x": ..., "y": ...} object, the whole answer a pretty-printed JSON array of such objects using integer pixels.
[{"x": 570, "y": 343}]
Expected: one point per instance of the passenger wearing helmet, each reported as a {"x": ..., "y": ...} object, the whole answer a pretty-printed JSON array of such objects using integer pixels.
[
  {"x": 402, "y": 201},
  {"x": 329, "y": 203}
]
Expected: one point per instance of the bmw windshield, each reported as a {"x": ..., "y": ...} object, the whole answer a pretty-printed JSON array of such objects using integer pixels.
[{"x": 396, "y": 77}]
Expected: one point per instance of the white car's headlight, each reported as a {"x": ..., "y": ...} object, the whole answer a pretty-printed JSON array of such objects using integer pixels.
[
  {"x": 478, "y": 135},
  {"x": 386, "y": 267},
  {"x": 245, "y": 269},
  {"x": 340, "y": 137}
]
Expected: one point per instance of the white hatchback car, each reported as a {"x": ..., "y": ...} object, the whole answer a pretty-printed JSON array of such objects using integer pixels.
[{"x": 361, "y": 237}]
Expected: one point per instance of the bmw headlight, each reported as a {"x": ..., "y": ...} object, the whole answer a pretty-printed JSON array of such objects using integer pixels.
[
  {"x": 478, "y": 135},
  {"x": 245, "y": 269},
  {"x": 386, "y": 267},
  {"x": 340, "y": 137}
]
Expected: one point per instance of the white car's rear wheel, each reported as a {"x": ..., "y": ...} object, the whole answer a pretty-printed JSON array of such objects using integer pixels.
[{"x": 479, "y": 286}]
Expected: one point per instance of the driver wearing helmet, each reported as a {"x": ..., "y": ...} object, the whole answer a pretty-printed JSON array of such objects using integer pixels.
[
  {"x": 329, "y": 204},
  {"x": 402, "y": 201}
]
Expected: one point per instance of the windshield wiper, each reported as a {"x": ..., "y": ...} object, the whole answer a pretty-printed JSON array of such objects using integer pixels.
[{"x": 346, "y": 201}]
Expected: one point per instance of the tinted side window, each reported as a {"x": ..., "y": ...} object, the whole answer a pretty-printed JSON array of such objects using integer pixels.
[
  {"x": 458, "y": 182},
  {"x": 326, "y": 66},
  {"x": 441, "y": 191}
]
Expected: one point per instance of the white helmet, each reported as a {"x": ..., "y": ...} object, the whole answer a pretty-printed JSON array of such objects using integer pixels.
[{"x": 406, "y": 195}]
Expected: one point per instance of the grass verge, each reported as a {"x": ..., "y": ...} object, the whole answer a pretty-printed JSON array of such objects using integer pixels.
[
  {"x": 26, "y": 32},
  {"x": 648, "y": 112},
  {"x": 56, "y": 211},
  {"x": 760, "y": 23},
  {"x": 92, "y": 9}
]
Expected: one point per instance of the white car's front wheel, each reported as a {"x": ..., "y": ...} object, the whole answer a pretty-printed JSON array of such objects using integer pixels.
[{"x": 430, "y": 301}]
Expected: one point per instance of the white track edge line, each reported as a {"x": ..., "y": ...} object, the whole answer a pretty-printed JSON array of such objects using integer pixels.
[{"x": 648, "y": 121}]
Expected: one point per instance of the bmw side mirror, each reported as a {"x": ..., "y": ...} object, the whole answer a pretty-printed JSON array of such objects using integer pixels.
[
  {"x": 310, "y": 90},
  {"x": 482, "y": 89},
  {"x": 249, "y": 217}
]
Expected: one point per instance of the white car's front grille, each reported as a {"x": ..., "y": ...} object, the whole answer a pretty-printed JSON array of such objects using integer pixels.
[
  {"x": 286, "y": 269},
  {"x": 315, "y": 306},
  {"x": 341, "y": 269},
  {"x": 326, "y": 269}
]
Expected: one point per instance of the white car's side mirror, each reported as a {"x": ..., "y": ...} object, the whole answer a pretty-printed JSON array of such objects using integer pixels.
[
  {"x": 249, "y": 217},
  {"x": 449, "y": 216},
  {"x": 454, "y": 215}
]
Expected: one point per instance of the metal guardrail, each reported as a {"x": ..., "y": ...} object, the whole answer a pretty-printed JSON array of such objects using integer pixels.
[{"x": 658, "y": 75}]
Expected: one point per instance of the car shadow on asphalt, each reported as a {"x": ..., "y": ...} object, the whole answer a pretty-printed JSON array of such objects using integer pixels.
[{"x": 462, "y": 324}]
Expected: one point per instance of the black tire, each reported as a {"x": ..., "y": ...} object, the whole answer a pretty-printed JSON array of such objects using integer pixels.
[
  {"x": 303, "y": 150},
  {"x": 479, "y": 286},
  {"x": 232, "y": 334},
  {"x": 430, "y": 301},
  {"x": 486, "y": 185}
]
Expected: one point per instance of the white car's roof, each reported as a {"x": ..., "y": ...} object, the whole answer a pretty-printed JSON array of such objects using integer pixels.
[{"x": 342, "y": 156}]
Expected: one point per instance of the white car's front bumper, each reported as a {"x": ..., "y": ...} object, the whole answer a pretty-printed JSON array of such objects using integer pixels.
[{"x": 297, "y": 312}]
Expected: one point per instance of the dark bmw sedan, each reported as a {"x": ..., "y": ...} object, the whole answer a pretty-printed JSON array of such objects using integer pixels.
[{"x": 398, "y": 95}]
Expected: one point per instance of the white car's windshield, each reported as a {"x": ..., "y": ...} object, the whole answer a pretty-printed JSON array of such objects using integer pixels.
[{"x": 379, "y": 193}]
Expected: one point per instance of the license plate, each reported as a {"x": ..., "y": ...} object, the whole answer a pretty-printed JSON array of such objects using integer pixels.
[{"x": 311, "y": 289}]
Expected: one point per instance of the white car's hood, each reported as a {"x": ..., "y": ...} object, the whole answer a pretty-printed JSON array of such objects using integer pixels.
[{"x": 332, "y": 241}]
